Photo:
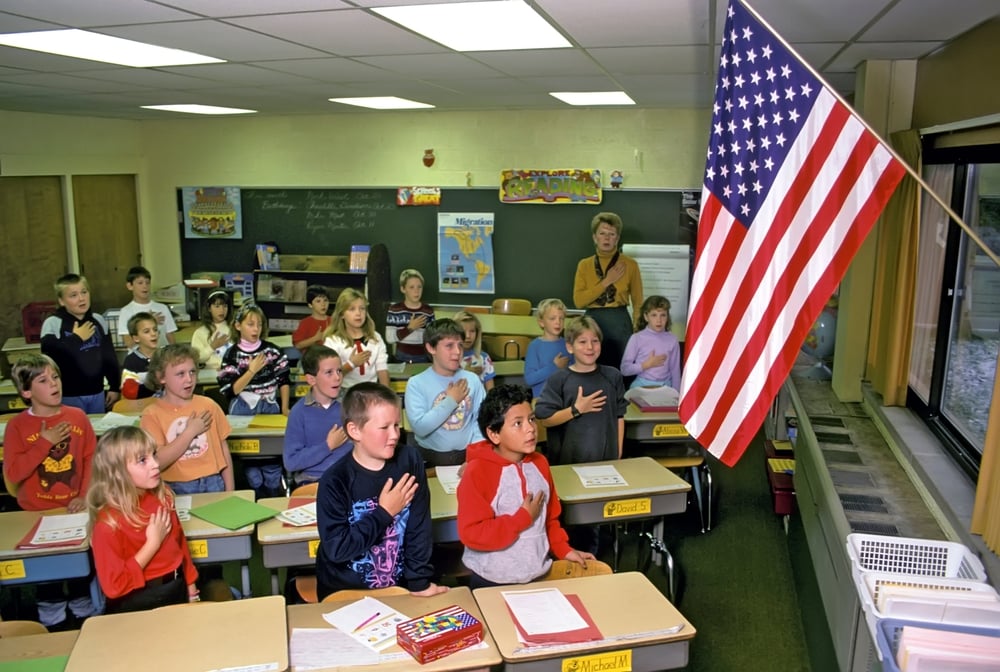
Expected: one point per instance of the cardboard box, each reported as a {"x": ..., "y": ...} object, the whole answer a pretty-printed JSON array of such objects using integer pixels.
[{"x": 439, "y": 633}]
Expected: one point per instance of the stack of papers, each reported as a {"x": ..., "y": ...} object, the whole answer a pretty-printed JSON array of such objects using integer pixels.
[
  {"x": 600, "y": 476},
  {"x": 57, "y": 531},
  {"x": 368, "y": 621},
  {"x": 233, "y": 512},
  {"x": 273, "y": 421},
  {"x": 781, "y": 466},
  {"x": 654, "y": 399},
  {"x": 932, "y": 650},
  {"x": 547, "y": 616},
  {"x": 112, "y": 420},
  {"x": 182, "y": 505},
  {"x": 448, "y": 477},
  {"x": 299, "y": 516}
]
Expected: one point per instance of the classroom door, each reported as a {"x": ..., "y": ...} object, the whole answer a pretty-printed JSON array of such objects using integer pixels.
[
  {"x": 34, "y": 251},
  {"x": 107, "y": 234}
]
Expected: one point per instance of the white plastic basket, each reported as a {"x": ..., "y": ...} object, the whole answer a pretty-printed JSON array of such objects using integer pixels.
[
  {"x": 920, "y": 557},
  {"x": 929, "y": 600}
]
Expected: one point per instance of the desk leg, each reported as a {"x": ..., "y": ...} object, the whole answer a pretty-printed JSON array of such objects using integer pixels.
[
  {"x": 274, "y": 581},
  {"x": 245, "y": 572}
]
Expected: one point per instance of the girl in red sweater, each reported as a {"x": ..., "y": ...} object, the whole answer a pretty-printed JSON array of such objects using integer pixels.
[{"x": 140, "y": 553}]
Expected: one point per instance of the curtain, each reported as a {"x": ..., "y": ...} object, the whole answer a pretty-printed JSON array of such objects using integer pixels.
[
  {"x": 895, "y": 281},
  {"x": 986, "y": 511}
]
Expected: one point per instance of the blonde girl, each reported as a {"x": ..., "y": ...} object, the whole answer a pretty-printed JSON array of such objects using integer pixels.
[
  {"x": 213, "y": 337},
  {"x": 140, "y": 553},
  {"x": 653, "y": 354},
  {"x": 352, "y": 335},
  {"x": 473, "y": 357}
]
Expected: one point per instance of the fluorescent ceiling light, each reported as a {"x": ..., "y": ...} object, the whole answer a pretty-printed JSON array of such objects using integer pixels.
[
  {"x": 382, "y": 103},
  {"x": 499, "y": 25},
  {"x": 103, "y": 48},
  {"x": 593, "y": 97},
  {"x": 198, "y": 109}
]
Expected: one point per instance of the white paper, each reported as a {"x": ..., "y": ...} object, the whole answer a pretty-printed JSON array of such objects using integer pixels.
[
  {"x": 448, "y": 477},
  {"x": 543, "y": 611},
  {"x": 112, "y": 420},
  {"x": 61, "y": 528},
  {"x": 239, "y": 421},
  {"x": 182, "y": 505},
  {"x": 317, "y": 648},
  {"x": 654, "y": 396},
  {"x": 396, "y": 368},
  {"x": 300, "y": 515},
  {"x": 665, "y": 270},
  {"x": 599, "y": 476},
  {"x": 368, "y": 621}
]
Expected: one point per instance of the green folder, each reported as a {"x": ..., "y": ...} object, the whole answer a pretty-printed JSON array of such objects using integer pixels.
[
  {"x": 233, "y": 513},
  {"x": 50, "y": 664}
]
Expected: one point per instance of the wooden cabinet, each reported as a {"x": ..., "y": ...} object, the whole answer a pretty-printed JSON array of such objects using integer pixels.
[{"x": 282, "y": 293}]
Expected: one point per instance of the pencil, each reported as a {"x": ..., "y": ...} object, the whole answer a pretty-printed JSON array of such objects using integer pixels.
[{"x": 367, "y": 621}]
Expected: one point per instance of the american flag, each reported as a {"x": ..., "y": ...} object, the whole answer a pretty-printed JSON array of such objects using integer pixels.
[{"x": 793, "y": 184}]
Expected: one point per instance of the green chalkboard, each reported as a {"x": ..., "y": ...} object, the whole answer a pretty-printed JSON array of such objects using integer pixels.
[{"x": 535, "y": 247}]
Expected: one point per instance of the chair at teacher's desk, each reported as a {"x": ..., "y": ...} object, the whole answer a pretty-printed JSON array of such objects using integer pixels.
[
  {"x": 511, "y": 307},
  {"x": 567, "y": 569},
  {"x": 358, "y": 593}
]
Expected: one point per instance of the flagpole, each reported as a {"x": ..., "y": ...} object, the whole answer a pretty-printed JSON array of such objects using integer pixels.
[{"x": 909, "y": 169}]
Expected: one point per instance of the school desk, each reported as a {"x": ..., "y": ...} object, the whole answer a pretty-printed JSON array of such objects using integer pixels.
[
  {"x": 10, "y": 400},
  {"x": 257, "y": 441},
  {"x": 493, "y": 323},
  {"x": 637, "y": 625},
  {"x": 394, "y": 659},
  {"x": 653, "y": 426},
  {"x": 287, "y": 546},
  {"x": 211, "y": 544},
  {"x": 237, "y": 635},
  {"x": 651, "y": 491},
  {"x": 284, "y": 545},
  {"x": 31, "y": 647},
  {"x": 19, "y": 566}
]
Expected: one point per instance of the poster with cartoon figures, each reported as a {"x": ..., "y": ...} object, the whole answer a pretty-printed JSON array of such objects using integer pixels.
[{"x": 212, "y": 212}]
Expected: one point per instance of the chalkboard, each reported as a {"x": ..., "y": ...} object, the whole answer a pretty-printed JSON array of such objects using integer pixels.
[{"x": 535, "y": 247}]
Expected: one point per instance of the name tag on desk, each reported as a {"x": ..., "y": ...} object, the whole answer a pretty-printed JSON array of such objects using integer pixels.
[
  {"x": 198, "y": 548},
  {"x": 244, "y": 446},
  {"x": 609, "y": 661},
  {"x": 669, "y": 430},
  {"x": 12, "y": 569},
  {"x": 620, "y": 508}
]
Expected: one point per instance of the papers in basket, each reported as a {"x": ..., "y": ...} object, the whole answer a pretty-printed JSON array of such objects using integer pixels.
[
  {"x": 654, "y": 399},
  {"x": 300, "y": 515},
  {"x": 369, "y": 621},
  {"x": 68, "y": 529}
]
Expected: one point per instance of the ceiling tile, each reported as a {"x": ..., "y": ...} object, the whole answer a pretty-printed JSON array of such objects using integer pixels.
[
  {"x": 90, "y": 13},
  {"x": 813, "y": 20},
  {"x": 653, "y": 60},
  {"x": 863, "y": 51},
  {"x": 539, "y": 62},
  {"x": 423, "y": 65},
  {"x": 233, "y": 73},
  {"x": 350, "y": 32},
  {"x": 603, "y": 23},
  {"x": 225, "y": 8},
  {"x": 930, "y": 20},
  {"x": 330, "y": 69}
]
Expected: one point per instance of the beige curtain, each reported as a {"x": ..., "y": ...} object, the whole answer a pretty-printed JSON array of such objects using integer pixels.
[
  {"x": 895, "y": 281},
  {"x": 986, "y": 512}
]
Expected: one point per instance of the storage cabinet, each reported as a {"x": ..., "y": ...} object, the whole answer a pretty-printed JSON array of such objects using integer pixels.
[{"x": 282, "y": 293}]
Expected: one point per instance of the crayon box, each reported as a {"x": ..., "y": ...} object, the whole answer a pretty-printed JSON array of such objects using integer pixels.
[{"x": 439, "y": 633}]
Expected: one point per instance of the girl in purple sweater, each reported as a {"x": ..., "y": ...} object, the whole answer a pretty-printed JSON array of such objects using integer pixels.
[{"x": 653, "y": 354}]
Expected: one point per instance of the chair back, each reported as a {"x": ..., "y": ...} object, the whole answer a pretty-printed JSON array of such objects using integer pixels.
[
  {"x": 506, "y": 346},
  {"x": 21, "y": 628},
  {"x": 565, "y": 569},
  {"x": 132, "y": 406},
  {"x": 307, "y": 490},
  {"x": 511, "y": 307},
  {"x": 358, "y": 593}
]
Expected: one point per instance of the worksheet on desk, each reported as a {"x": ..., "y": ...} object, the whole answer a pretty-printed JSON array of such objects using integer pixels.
[{"x": 599, "y": 476}]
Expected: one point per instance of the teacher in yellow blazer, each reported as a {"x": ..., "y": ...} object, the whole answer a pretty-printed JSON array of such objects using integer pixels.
[{"x": 605, "y": 284}]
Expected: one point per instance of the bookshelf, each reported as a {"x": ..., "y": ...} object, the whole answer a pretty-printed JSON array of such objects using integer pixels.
[{"x": 281, "y": 292}]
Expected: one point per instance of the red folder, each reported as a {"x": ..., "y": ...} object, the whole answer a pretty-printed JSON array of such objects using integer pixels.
[
  {"x": 294, "y": 502},
  {"x": 26, "y": 543},
  {"x": 588, "y": 634},
  {"x": 645, "y": 407}
]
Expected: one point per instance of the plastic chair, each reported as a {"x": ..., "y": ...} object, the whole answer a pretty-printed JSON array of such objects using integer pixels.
[
  {"x": 506, "y": 346},
  {"x": 358, "y": 593},
  {"x": 132, "y": 406},
  {"x": 21, "y": 628},
  {"x": 565, "y": 569},
  {"x": 511, "y": 307},
  {"x": 307, "y": 490}
]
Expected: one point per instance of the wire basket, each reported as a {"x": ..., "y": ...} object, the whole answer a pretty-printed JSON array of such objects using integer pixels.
[
  {"x": 927, "y": 599},
  {"x": 891, "y": 629},
  {"x": 920, "y": 557}
]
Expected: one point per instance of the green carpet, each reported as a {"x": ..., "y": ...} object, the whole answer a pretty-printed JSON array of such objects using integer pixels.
[{"x": 735, "y": 582}]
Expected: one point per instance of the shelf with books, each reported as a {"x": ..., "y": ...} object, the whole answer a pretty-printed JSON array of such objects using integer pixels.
[{"x": 282, "y": 293}]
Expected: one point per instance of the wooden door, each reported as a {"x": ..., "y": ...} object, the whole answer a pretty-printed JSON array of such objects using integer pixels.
[
  {"x": 107, "y": 234},
  {"x": 33, "y": 253}
]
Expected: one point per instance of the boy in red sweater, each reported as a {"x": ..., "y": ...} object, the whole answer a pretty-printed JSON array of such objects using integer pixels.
[
  {"x": 48, "y": 452},
  {"x": 508, "y": 511}
]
